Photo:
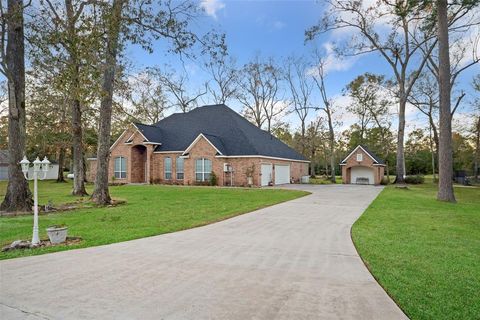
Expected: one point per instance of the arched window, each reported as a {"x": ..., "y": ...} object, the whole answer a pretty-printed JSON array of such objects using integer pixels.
[
  {"x": 179, "y": 168},
  {"x": 168, "y": 168},
  {"x": 120, "y": 169},
  {"x": 203, "y": 168}
]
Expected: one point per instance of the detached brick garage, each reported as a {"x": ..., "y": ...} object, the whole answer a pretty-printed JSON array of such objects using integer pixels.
[
  {"x": 185, "y": 148},
  {"x": 362, "y": 166}
]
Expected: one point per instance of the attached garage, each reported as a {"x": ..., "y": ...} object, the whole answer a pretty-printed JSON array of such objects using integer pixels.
[
  {"x": 282, "y": 174},
  {"x": 266, "y": 171},
  {"x": 362, "y": 166}
]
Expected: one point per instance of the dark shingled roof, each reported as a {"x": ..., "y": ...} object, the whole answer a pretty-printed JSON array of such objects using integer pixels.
[
  {"x": 229, "y": 132},
  {"x": 4, "y": 156},
  {"x": 373, "y": 155}
]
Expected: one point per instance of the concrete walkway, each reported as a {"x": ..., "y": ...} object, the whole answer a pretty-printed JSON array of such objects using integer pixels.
[{"x": 291, "y": 261}]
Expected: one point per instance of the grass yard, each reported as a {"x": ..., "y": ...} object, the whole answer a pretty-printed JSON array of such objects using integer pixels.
[
  {"x": 150, "y": 210},
  {"x": 425, "y": 253}
]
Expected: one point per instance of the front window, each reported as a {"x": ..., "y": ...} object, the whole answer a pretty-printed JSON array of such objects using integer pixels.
[
  {"x": 120, "y": 170},
  {"x": 203, "y": 168},
  {"x": 179, "y": 168},
  {"x": 168, "y": 168}
]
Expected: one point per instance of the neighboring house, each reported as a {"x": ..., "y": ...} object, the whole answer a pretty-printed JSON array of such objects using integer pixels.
[
  {"x": 185, "y": 148},
  {"x": 3, "y": 165},
  {"x": 52, "y": 174},
  {"x": 362, "y": 166}
]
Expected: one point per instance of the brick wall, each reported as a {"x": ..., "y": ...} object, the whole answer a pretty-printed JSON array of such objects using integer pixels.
[
  {"x": 155, "y": 164},
  {"x": 367, "y": 161}
]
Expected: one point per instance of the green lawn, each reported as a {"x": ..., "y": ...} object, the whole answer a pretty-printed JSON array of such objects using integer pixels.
[
  {"x": 150, "y": 210},
  {"x": 425, "y": 253}
]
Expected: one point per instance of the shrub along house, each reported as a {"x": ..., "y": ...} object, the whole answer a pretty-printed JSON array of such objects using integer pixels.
[
  {"x": 186, "y": 148},
  {"x": 362, "y": 166}
]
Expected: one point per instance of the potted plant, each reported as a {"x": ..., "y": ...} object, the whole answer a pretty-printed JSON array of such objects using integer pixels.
[{"x": 57, "y": 234}]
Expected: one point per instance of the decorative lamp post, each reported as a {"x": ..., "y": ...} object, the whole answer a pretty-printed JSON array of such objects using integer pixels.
[{"x": 38, "y": 166}]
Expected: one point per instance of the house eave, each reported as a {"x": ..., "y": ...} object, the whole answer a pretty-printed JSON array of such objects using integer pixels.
[{"x": 262, "y": 156}]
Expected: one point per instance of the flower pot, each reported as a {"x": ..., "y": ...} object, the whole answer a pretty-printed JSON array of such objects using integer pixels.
[{"x": 57, "y": 234}]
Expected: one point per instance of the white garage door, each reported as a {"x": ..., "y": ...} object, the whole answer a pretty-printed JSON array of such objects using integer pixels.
[
  {"x": 282, "y": 174},
  {"x": 360, "y": 175},
  {"x": 266, "y": 174}
]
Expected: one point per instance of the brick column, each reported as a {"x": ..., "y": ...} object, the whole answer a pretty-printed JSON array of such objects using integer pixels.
[{"x": 149, "y": 162}]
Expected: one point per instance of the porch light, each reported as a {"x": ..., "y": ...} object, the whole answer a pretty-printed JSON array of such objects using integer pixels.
[
  {"x": 45, "y": 165},
  {"x": 25, "y": 164},
  {"x": 36, "y": 165}
]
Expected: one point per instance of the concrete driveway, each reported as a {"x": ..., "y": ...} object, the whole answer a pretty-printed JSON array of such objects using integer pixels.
[{"x": 294, "y": 260}]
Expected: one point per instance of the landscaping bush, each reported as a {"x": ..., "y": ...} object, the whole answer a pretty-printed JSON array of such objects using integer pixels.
[
  {"x": 213, "y": 179},
  {"x": 415, "y": 179},
  {"x": 384, "y": 181}
]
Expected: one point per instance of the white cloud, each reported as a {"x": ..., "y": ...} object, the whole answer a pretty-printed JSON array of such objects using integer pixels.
[{"x": 212, "y": 7}]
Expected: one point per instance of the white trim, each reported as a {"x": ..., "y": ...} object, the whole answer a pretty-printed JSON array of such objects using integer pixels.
[
  {"x": 359, "y": 146},
  {"x": 167, "y": 151},
  {"x": 118, "y": 139},
  {"x": 91, "y": 159},
  {"x": 154, "y": 143},
  {"x": 140, "y": 132},
  {"x": 264, "y": 157},
  {"x": 130, "y": 138},
  {"x": 197, "y": 139}
]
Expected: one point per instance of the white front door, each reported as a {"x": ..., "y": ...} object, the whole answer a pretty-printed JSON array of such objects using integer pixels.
[
  {"x": 360, "y": 175},
  {"x": 266, "y": 171},
  {"x": 282, "y": 174}
]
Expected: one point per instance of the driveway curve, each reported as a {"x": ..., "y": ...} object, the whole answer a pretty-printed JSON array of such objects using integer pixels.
[{"x": 294, "y": 260}]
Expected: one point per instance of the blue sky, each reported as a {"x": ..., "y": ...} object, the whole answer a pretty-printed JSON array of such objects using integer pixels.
[{"x": 276, "y": 28}]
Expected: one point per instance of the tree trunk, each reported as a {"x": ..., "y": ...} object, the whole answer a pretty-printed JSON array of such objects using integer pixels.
[
  {"x": 61, "y": 163},
  {"x": 101, "y": 194},
  {"x": 477, "y": 151},
  {"x": 445, "y": 157},
  {"x": 332, "y": 147},
  {"x": 400, "y": 167},
  {"x": 18, "y": 196},
  {"x": 77, "y": 141}
]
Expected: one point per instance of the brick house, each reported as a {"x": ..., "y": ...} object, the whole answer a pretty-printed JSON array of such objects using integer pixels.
[
  {"x": 362, "y": 166},
  {"x": 185, "y": 148}
]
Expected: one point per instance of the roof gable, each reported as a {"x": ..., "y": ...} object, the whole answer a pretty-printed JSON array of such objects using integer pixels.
[
  {"x": 230, "y": 133},
  {"x": 369, "y": 153},
  {"x": 210, "y": 137}
]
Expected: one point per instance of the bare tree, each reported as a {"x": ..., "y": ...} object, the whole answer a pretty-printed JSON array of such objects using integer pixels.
[
  {"x": 259, "y": 92},
  {"x": 18, "y": 196},
  {"x": 398, "y": 47},
  {"x": 301, "y": 87},
  {"x": 182, "y": 97},
  {"x": 223, "y": 85},
  {"x": 476, "y": 129},
  {"x": 445, "y": 165},
  {"x": 319, "y": 78},
  {"x": 147, "y": 100},
  {"x": 3, "y": 97}
]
